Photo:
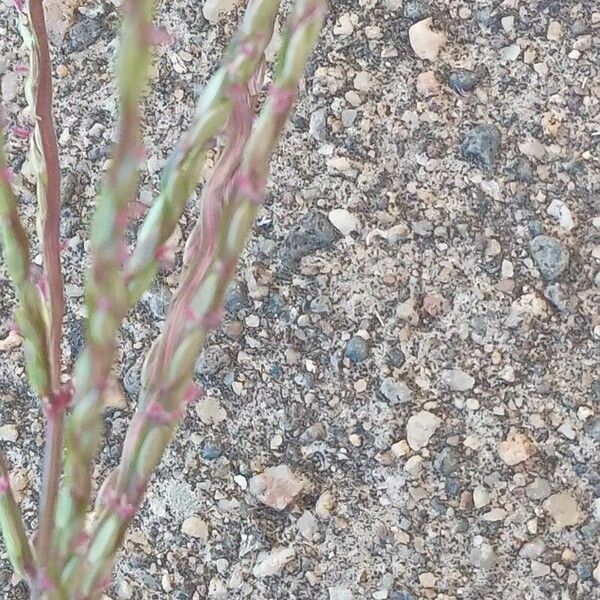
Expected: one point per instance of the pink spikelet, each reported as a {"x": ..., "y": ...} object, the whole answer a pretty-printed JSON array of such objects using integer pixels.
[
  {"x": 193, "y": 393},
  {"x": 21, "y": 132},
  {"x": 20, "y": 6},
  {"x": 281, "y": 99},
  {"x": 6, "y": 175},
  {"x": 21, "y": 68},
  {"x": 4, "y": 485},
  {"x": 157, "y": 414},
  {"x": 250, "y": 187}
]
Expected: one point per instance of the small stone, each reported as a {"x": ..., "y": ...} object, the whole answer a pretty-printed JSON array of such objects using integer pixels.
[
  {"x": 195, "y": 527},
  {"x": 324, "y": 505},
  {"x": 9, "y": 433},
  {"x": 481, "y": 497},
  {"x": 158, "y": 300},
  {"x": 511, "y": 52},
  {"x": 252, "y": 321},
  {"x": 457, "y": 380},
  {"x": 276, "y": 487},
  {"x": 313, "y": 232},
  {"x": 564, "y": 510},
  {"x": 592, "y": 428},
  {"x": 357, "y": 349},
  {"x": 307, "y": 525},
  {"x": 420, "y": 428},
  {"x": 596, "y": 572},
  {"x": 414, "y": 10},
  {"x": 273, "y": 562},
  {"x": 425, "y": 42},
  {"x": 414, "y": 465},
  {"x": 363, "y": 81},
  {"x": 344, "y": 26},
  {"x": 338, "y": 593},
  {"x": 539, "y": 569},
  {"x": 214, "y": 9},
  {"x": 132, "y": 382},
  {"x": 482, "y": 554},
  {"x": 464, "y": 81},
  {"x": 538, "y": 489},
  {"x": 318, "y": 124},
  {"x": 533, "y": 549},
  {"x": 515, "y": 449},
  {"x": 561, "y": 212},
  {"x": 12, "y": 340},
  {"x": 395, "y": 392},
  {"x": 344, "y": 221},
  {"x": 533, "y": 149},
  {"x": 428, "y": 84},
  {"x": 212, "y": 360},
  {"x": 210, "y": 411},
  {"x": 481, "y": 146},
  {"x": 427, "y": 580},
  {"x": 554, "y": 31},
  {"x": 549, "y": 255}
]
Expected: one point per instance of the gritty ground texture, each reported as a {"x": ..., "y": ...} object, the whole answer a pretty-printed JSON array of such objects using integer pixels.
[{"x": 404, "y": 399}]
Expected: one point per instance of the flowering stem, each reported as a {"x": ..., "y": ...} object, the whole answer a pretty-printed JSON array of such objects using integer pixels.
[
  {"x": 44, "y": 158},
  {"x": 195, "y": 310}
]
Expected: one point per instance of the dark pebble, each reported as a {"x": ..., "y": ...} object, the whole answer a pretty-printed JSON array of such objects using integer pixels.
[
  {"x": 210, "y": 451},
  {"x": 549, "y": 255},
  {"x": 464, "y": 81},
  {"x": 396, "y": 357},
  {"x": 481, "y": 146},
  {"x": 415, "y": 10},
  {"x": 357, "y": 349},
  {"x": 313, "y": 232},
  {"x": 158, "y": 300},
  {"x": 132, "y": 382}
]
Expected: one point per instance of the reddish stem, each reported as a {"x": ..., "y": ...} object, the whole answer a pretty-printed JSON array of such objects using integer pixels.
[{"x": 52, "y": 267}]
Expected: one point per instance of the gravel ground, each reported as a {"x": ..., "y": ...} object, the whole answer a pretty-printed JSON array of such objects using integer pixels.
[{"x": 404, "y": 400}]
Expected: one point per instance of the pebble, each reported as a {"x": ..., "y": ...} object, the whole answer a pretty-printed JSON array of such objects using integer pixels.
[
  {"x": 533, "y": 549},
  {"x": 596, "y": 572},
  {"x": 317, "y": 126},
  {"x": 561, "y": 212},
  {"x": 415, "y": 10},
  {"x": 9, "y": 433},
  {"x": 363, "y": 81},
  {"x": 12, "y": 340},
  {"x": 515, "y": 449},
  {"x": 395, "y": 392},
  {"x": 339, "y": 593},
  {"x": 427, "y": 580},
  {"x": 428, "y": 84},
  {"x": 563, "y": 509},
  {"x": 357, "y": 349},
  {"x": 132, "y": 382},
  {"x": 272, "y": 563},
  {"x": 592, "y": 428},
  {"x": 195, "y": 527},
  {"x": 276, "y": 486},
  {"x": 420, "y": 428},
  {"x": 324, "y": 505},
  {"x": 539, "y": 569},
  {"x": 158, "y": 300},
  {"x": 313, "y": 232},
  {"x": 344, "y": 221},
  {"x": 481, "y": 497},
  {"x": 538, "y": 489},
  {"x": 482, "y": 554},
  {"x": 481, "y": 146},
  {"x": 549, "y": 255},
  {"x": 464, "y": 81},
  {"x": 214, "y": 9},
  {"x": 457, "y": 380},
  {"x": 210, "y": 411},
  {"x": 212, "y": 360},
  {"x": 307, "y": 525},
  {"x": 425, "y": 42}
]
